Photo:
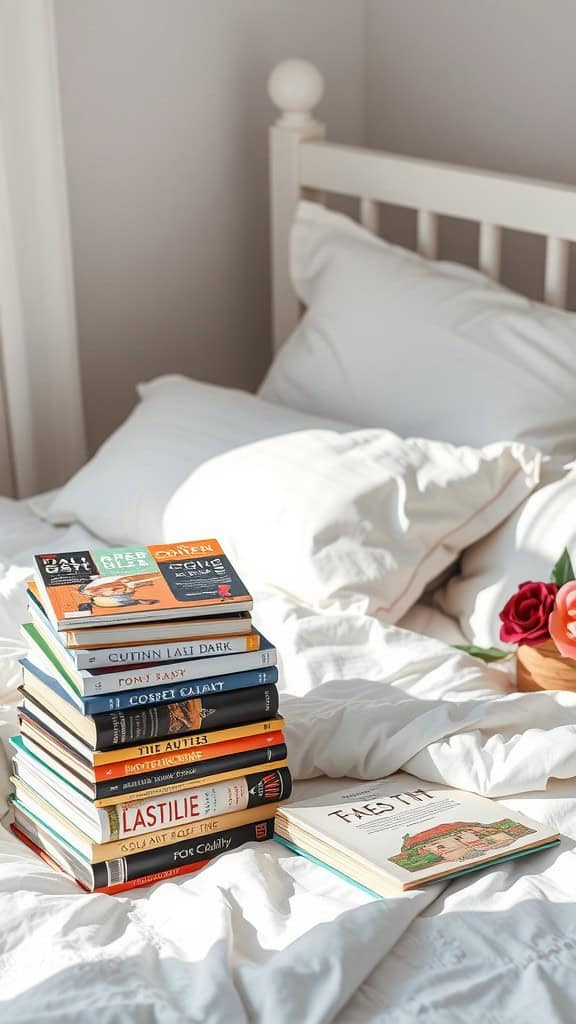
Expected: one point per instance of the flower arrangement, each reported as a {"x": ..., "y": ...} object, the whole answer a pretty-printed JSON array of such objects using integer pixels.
[
  {"x": 540, "y": 620},
  {"x": 539, "y": 612}
]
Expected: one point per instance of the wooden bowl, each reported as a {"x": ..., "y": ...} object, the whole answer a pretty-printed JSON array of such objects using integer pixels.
[{"x": 543, "y": 668}]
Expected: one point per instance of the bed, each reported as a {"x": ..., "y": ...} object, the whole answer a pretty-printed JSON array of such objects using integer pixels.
[{"x": 262, "y": 935}]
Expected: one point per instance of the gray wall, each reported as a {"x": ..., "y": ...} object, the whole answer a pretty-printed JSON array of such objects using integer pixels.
[
  {"x": 165, "y": 125},
  {"x": 165, "y": 119},
  {"x": 490, "y": 84}
]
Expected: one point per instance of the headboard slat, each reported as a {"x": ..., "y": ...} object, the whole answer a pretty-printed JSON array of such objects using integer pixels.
[
  {"x": 370, "y": 215},
  {"x": 556, "y": 272},
  {"x": 427, "y": 234},
  {"x": 490, "y": 250}
]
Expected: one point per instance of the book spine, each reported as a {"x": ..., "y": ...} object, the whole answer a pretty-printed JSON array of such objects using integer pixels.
[
  {"x": 111, "y": 890},
  {"x": 185, "y": 773},
  {"x": 127, "y": 728},
  {"x": 142, "y": 883},
  {"x": 141, "y": 766},
  {"x": 180, "y": 691},
  {"x": 168, "y": 836},
  {"x": 171, "y": 790},
  {"x": 187, "y": 742},
  {"x": 205, "y": 848},
  {"x": 165, "y": 673},
  {"x": 200, "y": 803},
  {"x": 145, "y": 654}
]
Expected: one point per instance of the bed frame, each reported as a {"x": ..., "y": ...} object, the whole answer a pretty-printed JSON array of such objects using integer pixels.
[{"x": 302, "y": 163}]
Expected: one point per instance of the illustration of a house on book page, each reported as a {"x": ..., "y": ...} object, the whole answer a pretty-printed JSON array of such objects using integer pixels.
[{"x": 457, "y": 841}]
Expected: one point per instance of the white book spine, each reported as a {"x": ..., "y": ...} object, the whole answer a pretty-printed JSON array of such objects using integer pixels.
[
  {"x": 114, "y": 657},
  {"x": 145, "y": 676},
  {"x": 133, "y": 819}
]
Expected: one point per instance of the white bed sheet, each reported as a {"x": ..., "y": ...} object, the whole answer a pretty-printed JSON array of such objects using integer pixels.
[{"x": 262, "y": 935}]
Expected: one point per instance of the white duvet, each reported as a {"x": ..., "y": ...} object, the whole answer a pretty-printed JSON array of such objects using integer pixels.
[{"x": 261, "y": 935}]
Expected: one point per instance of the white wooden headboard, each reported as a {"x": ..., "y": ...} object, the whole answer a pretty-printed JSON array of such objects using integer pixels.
[{"x": 301, "y": 162}]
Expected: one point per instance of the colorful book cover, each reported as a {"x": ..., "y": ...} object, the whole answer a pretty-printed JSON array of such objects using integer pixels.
[
  {"x": 33, "y": 731},
  {"x": 96, "y": 853},
  {"x": 110, "y": 585},
  {"x": 134, "y": 633}
]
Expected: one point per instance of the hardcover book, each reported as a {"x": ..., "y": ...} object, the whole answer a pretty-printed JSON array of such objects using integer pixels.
[
  {"x": 124, "y": 870},
  {"x": 37, "y": 723},
  {"x": 203, "y": 800},
  {"x": 110, "y": 890},
  {"x": 122, "y": 655},
  {"x": 96, "y": 853},
  {"x": 141, "y": 824},
  {"x": 150, "y": 695},
  {"x": 137, "y": 725},
  {"x": 106, "y": 586},
  {"x": 402, "y": 833},
  {"x": 164, "y": 779},
  {"x": 33, "y": 733}
]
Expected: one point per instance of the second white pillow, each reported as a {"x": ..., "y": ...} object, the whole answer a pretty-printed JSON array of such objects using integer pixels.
[{"x": 357, "y": 522}]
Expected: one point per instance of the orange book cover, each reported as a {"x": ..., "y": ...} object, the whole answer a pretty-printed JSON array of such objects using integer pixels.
[
  {"x": 141, "y": 765},
  {"x": 132, "y": 584}
]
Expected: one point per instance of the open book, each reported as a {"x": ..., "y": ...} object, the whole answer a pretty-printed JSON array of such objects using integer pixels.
[{"x": 402, "y": 833}]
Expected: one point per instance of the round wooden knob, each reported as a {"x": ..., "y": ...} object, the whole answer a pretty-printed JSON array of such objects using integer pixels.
[{"x": 295, "y": 87}]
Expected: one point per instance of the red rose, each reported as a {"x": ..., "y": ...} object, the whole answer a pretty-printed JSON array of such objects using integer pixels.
[{"x": 525, "y": 616}]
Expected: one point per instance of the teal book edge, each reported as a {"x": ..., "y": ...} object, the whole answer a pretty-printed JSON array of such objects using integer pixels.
[
  {"x": 327, "y": 867},
  {"x": 21, "y": 748},
  {"x": 457, "y": 874},
  {"x": 48, "y": 828}
]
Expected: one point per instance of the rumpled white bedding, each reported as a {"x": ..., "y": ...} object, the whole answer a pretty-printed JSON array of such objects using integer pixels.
[{"x": 261, "y": 935}]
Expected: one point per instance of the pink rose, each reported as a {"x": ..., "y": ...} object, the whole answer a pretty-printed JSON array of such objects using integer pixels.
[
  {"x": 525, "y": 616},
  {"x": 562, "y": 622}
]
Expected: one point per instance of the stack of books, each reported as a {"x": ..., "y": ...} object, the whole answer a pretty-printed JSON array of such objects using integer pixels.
[{"x": 150, "y": 739}]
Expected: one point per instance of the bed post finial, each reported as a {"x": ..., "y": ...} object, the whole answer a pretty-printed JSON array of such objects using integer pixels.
[{"x": 295, "y": 87}]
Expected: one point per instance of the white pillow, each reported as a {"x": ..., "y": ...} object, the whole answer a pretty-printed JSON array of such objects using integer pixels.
[
  {"x": 422, "y": 348},
  {"x": 355, "y": 522},
  {"x": 525, "y": 547},
  {"x": 122, "y": 492}
]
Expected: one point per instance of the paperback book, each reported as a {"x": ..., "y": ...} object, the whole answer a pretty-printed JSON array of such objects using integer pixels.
[
  {"x": 181, "y": 629},
  {"x": 402, "y": 833},
  {"x": 106, "y": 586}
]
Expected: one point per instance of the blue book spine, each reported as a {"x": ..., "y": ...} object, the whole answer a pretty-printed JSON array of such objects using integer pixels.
[{"x": 157, "y": 694}]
